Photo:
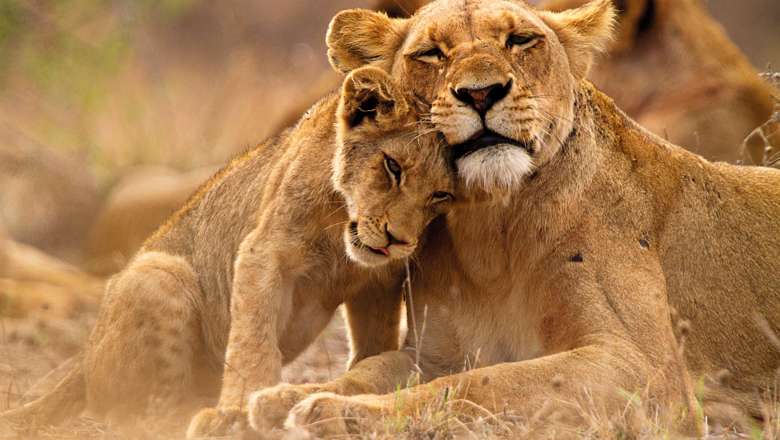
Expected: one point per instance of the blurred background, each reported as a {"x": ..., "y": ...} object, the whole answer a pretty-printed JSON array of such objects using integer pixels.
[{"x": 186, "y": 83}]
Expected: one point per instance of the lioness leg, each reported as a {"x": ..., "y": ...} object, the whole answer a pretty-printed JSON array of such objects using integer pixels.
[
  {"x": 142, "y": 347},
  {"x": 529, "y": 385},
  {"x": 373, "y": 317}
]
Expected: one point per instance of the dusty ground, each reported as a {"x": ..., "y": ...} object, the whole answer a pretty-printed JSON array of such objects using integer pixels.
[{"x": 30, "y": 348}]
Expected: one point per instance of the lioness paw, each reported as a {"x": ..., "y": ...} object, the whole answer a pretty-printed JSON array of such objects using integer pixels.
[
  {"x": 268, "y": 408},
  {"x": 213, "y": 422},
  {"x": 328, "y": 415}
]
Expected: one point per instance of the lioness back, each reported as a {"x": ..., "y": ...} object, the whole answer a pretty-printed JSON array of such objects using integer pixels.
[{"x": 716, "y": 230}]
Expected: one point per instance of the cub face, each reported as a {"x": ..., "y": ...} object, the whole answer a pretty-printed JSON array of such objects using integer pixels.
[{"x": 391, "y": 169}]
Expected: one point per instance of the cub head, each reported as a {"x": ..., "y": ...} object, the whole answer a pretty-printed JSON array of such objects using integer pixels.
[
  {"x": 501, "y": 77},
  {"x": 390, "y": 168}
]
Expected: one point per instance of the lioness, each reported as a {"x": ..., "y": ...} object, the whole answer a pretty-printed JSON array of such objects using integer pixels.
[
  {"x": 254, "y": 266},
  {"x": 565, "y": 283}
]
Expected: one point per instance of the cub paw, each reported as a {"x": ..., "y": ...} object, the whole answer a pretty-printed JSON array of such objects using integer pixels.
[
  {"x": 213, "y": 422},
  {"x": 326, "y": 415},
  {"x": 268, "y": 408}
]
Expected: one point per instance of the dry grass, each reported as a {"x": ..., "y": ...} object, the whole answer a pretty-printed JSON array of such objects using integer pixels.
[{"x": 762, "y": 146}]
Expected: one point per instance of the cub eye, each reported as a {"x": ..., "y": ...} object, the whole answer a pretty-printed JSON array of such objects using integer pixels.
[
  {"x": 441, "y": 196},
  {"x": 433, "y": 55},
  {"x": 521, "y": 41},
  {"x": 393, "y": 169}
]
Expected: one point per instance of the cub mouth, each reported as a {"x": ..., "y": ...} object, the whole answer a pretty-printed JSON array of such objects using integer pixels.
[
  {"x": 358, "y": 243},
  {"x": 486, "y": 139}
]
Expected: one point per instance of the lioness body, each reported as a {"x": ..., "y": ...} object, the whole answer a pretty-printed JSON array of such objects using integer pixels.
[
  {"x": 580, "y": 290},
  {"x": 568, "y": 280}
]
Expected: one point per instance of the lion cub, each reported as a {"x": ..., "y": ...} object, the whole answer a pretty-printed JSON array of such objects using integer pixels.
[{"x": 246, "y": 275}]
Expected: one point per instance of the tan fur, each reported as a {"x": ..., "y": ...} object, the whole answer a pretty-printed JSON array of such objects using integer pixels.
[
  {"x": 566, "y": 282},
  {"x": 249, "y": 272}
]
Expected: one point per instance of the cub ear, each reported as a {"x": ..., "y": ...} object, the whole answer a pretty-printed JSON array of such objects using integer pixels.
[
  {"x": 369, "y": 93},
  {"x": 357, "y": 37},
  {"x": 584, "y": 32}
]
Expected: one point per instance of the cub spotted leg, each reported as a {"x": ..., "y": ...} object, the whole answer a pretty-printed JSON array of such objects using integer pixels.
[
  {"x": 373, "y": 316},
  {"x": 141, "y": 350}
]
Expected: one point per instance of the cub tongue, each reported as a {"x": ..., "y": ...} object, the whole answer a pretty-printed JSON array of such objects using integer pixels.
[{"x": 383, "y": 251}]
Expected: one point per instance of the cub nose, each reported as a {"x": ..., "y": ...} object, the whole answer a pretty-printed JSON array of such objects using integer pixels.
[
  {"x": 392, "y": 239},
  {"x": 483, "y": 99}
]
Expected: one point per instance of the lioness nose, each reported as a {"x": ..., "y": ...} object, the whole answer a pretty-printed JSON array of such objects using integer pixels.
[{"x": 484, "y": 98}]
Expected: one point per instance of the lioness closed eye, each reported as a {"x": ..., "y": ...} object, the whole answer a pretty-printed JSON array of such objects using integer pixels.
[{"x": 253, "y": 268}]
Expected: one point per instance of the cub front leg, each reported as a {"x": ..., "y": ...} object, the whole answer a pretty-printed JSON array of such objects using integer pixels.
[
  {"x": 373, "y": 316},
  {"x": 379, "y": 374},
  {"x": 253, "y": 360}
]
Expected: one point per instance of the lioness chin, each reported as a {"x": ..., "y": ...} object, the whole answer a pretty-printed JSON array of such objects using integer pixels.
[
  {"x": 250, "y": 271},
  {"x": 563, "y": 285}
]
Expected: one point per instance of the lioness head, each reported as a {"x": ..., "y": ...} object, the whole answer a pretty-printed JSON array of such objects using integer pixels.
[
  {"x": 501, "y": 77},
  {"x": 389, "y": 167}
]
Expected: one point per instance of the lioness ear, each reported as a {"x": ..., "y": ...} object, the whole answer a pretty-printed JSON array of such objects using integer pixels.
[
  {"x": 584, "y": 32},
  {"x": 369, "y": 93},
  {"x": 357, "y": 37}
]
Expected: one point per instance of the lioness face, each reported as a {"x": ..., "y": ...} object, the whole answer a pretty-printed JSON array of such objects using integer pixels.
[
  {"x": 500, "y": 76},
  {"x": 390, "y": 169}
]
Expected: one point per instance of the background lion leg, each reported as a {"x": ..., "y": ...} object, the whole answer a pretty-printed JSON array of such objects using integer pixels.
[
  {"x": 549, "y": 382},
  {"x": 140, "y": 354}
]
